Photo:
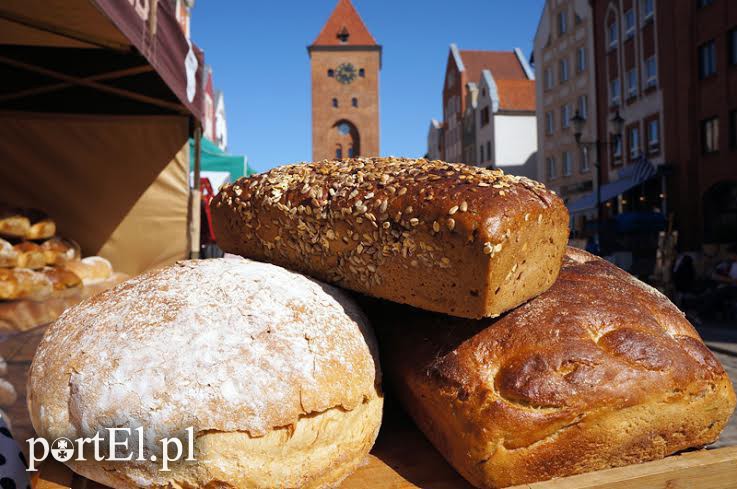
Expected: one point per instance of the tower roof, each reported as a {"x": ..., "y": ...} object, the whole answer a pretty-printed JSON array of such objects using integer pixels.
[{"x": 344, "y": 28}]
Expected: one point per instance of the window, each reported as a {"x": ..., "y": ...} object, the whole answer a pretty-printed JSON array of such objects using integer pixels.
[
  {"x": 488, "y": 150},
  {"x": 343, "y": 35},
  {"x": 562, "y": 22},
  {"x": 481, "y": 150},
  {"x": 563, "y": 68},
  {"x": 581, "y": 60},
  {"x": 354, "y": 102},
  {"x": 583, "y": 106},
  {"x": 567, "y": 164},
  {"x": 707, "y": 59},
  {"x": 648, "y": 7},
  {"x": 350, "y": 152},
  {"x": 584, "y": 160},
  {"x": 653, "y": 135},
  {"x": 634, "y": 140},
  {"x": 651, "y": 72},
  {"x": 484, "y": 116},
  {"x": 549, "y": 123},
  {"x": 548, "y": 78},
  {"x": 361, "y": 72},
  {"x": 565, "y": 116},
  {"x": 617, "y": 146},
  {"x": 613, "y": 37},
  {"x": 335, "y": 102},
  {"x": 344, "y": 129},
  {"x": 632, "y": 83},
  {"x": 733, "y": 129},
  {"x": 338, "y": 152},
  {"x": 614, "y": 92},
  {"x": 629, "y": 23},
  {"x": 710, "y": 135},
  {"x": 331, "y": 72},
  {"x": 732, "y": 40},
  {"x": 551, "y": 168}
]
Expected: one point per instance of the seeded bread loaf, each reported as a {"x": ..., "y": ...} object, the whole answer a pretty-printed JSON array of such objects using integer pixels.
[
  {"x": 599, "y": 371},
  {"x": 451, "y": 238}
]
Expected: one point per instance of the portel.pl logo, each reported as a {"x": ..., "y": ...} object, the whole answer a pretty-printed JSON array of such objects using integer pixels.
[{"x": 118, "y": 448}]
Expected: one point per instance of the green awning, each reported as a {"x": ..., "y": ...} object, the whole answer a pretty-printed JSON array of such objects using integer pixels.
[{"x": 215, "y": 159}]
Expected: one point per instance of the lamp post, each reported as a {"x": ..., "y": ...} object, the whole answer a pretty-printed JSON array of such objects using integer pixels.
[{"x": 617, "y": 124}]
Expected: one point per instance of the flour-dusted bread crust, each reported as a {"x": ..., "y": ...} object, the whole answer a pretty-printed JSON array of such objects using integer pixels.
[
  {"x": 599, "y": 371},
  {"x": 445, "y": 237},
  {"x": 277, "y": 373}
]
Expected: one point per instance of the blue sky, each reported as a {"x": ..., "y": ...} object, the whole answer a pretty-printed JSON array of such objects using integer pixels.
[{"x": 258, "y": 53}]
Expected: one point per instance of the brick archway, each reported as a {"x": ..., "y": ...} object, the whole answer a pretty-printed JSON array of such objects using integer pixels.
[{"x": 345, "y": 137}]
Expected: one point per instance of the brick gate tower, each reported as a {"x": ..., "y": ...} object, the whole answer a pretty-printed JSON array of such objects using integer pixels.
[{"x": 345, "y": 61}]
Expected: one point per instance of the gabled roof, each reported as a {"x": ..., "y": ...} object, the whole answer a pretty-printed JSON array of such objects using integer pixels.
[
  {"x": 344, "y": 19},
  {"x": 503, "y": 64}
]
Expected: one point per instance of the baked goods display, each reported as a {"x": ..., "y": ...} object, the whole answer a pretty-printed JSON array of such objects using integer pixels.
[
  {"x": 21, "y": 283},
  {"x": 520, "y": 359},
  {"x": 445, "y": 237},
  {"x": 599, "y": 371},
  {"x": 277, "y": 374}
]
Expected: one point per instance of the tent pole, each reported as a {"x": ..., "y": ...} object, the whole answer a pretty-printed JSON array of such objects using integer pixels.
[{"x": 195, "y": 193}]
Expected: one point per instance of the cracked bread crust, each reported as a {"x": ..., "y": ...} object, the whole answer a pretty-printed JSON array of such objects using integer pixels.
[
  {"x": 599, "y": 371},
  {"x": 439, "y": 236}
]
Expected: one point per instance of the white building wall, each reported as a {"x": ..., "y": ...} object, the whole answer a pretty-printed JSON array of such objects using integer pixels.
[{"x": 515, "y": 143}]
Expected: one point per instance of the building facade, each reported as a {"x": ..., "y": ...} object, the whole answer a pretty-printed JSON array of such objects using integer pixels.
[
  {"x": 435, "y": 141},
  {"x": 345, "y": 62},
  {"x": 566, "y": 85},
  {"x": 670, "y": 69},
  {"x": 489, "y": 110}
]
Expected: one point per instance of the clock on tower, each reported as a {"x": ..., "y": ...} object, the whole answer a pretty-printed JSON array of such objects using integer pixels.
[{"x": 345, "y": 61}]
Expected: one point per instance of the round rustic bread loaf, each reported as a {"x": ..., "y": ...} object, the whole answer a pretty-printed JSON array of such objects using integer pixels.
[{"x": 277, "y": 374}]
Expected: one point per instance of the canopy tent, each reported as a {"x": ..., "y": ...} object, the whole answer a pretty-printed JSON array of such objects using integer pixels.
[
  {"x": 97, "y": 103},
  {"x": 213, "y": 159}
]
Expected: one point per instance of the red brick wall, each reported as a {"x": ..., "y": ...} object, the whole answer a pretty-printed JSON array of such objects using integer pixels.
[{"x": 365, "y": 117}]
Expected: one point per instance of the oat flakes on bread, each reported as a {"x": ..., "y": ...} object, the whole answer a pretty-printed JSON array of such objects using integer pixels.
[
  {"x": 278, "y": 375},
  {"x": 445, "y": 237},
  {"x": 599, "y": 371}
]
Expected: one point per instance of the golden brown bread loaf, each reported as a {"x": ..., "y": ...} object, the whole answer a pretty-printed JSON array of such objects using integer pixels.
[
  {"x": 599, "y": 371},
  {"x": 13, "y": 223},
  {"x": 59, "y": 251},
  {"x": 91, "y": 269},
  {"x": 8, "y": 255},
  {"x": 277, "y": 374},
  {"x": 439, "y": 236},
  {"x": 22, "y": 283},
  {"x": 30, "y": 255},
  {"x": 41, "y": 226},
  {"x": 63, "y": 282}
]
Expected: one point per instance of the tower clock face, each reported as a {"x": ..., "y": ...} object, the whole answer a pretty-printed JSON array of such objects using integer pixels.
[{"x": 345, "y": 73}]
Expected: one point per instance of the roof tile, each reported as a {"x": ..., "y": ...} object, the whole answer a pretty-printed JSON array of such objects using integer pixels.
[{"x": 344, "y": 16}]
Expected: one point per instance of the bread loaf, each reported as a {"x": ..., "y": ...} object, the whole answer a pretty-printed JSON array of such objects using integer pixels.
[
  {"x": 91, "y": 269},
  {"x": 599, "y": 371},
  {"x": 42, "y": 227},
  {"x": 21, "y": 283},
  {"x": 277, "y": 374},
  {"x": 64, "y": 282},
  {"x": 30, "y": 255},
  {"x": 13, "y": 223},
  {"x": 59, "y": 251},
  {"x": 8, "y": 255},
  {"x": 439, "y": 236}
]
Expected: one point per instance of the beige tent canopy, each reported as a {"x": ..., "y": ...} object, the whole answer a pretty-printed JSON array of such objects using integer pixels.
[{"x": 98, "y": 100}]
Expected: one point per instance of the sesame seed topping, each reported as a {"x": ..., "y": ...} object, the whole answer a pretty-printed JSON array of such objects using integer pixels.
[{"x": 453, "y": 210}]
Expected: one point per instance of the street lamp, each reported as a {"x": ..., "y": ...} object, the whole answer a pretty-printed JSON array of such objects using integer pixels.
[{"x": 617, "y": 125}]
